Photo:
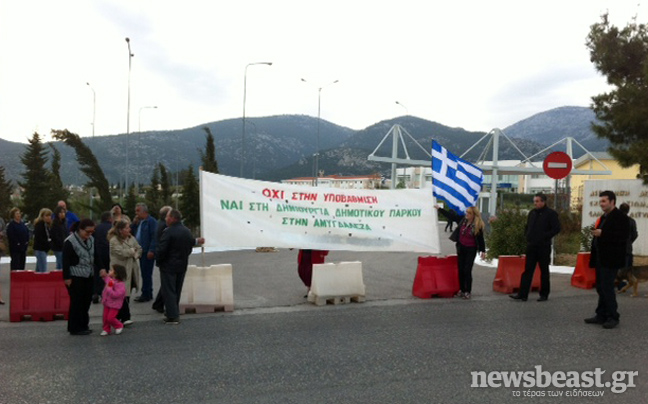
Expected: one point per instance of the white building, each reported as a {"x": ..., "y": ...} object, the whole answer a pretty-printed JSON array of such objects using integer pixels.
[{"x": 372, "y": 181}]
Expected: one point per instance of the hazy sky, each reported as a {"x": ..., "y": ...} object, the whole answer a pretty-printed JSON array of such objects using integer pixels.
[{"x": 474, "y": 64}]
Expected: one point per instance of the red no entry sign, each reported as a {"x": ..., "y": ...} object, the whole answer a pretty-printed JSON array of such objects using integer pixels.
[{"x": 557, "y": 165}]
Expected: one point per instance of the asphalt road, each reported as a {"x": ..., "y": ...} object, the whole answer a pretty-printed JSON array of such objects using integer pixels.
[{"x": 277, "y": 348}]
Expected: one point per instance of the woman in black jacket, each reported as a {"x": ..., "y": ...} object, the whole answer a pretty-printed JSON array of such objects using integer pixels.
[
  {"x": 59, "y": 233},
  {"x": 18, "y": 238},
  {"x": 469, "y": 236}
]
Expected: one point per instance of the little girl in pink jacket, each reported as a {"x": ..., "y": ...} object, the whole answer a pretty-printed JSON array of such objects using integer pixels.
[{"x": 112, "y": 298}]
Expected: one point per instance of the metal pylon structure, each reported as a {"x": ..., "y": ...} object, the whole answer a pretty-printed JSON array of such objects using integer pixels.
[
  {"x": 494, "y": 168},
  {"x": 397, "y": 132}
]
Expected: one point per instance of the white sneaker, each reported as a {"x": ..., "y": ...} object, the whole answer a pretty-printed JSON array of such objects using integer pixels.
[
  {"x": 104, "y": 333},
  {"x": 118, "y": 330},
  {"x": 128, "y": 322}
]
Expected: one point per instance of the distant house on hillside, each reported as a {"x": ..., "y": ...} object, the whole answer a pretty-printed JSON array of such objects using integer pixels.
[
  {"x": 587, "y": 162},
  {"x": 372, "y": 181}
]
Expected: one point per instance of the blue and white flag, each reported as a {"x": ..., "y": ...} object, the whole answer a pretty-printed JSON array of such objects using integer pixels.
[{"x": 454, "y": 180}]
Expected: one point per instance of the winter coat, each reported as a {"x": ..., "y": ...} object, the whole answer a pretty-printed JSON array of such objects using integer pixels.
[
  {"x": 127, "y": 253},
  {"x": 113, "y": 296}
]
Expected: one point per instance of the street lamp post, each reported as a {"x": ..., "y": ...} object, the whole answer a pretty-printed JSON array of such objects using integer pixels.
[
  {"x": 317, "y": 146},
  {"x": 139, "y": 118},
  {"x": 137, "y": 146},
  {"x": 130, "y": 57},
  {"x": 406, "y": 110},
  {"x": 244, "y": 99},
  {"x": 94, "y": 108}
]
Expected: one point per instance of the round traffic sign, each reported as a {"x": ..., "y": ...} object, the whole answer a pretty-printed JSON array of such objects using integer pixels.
[{"x": 557, "y": 165}]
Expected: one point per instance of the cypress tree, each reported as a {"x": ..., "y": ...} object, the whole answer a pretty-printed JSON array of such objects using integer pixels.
[
  {"x": 190, "y": 201},
  {"x": 131, "y": 201},
  {"x": 208, "y": 157},
  {"x": 5, "y": 195},
  {"x": 89, "y": 166},
  {"x": 165, "y": 186},
  {"x": 58, "y": 189},
  {"x": 153, "y": 192}
]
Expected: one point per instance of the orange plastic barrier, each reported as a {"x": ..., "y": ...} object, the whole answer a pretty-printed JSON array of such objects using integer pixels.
[
  {"x": 509, "y": 273},
  {"x": 41, "y": 296},
  {"x": 436, "y": 276},
  {"x": 583, "y": 277}
]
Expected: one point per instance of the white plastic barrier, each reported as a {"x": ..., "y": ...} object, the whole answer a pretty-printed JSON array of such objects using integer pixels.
[
  {"x": 208, "y": 289},
  {"x": 340, "y": 282}
]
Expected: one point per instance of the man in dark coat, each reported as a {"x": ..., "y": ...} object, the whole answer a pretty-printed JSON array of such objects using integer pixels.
[
  {"x": 542, "y": 225},
  {"x": 609, "y": 242},
  {"x": 176, "y": 244},
  {"x": 103, "y": 249},
  {"x": 158, "y": 303}
]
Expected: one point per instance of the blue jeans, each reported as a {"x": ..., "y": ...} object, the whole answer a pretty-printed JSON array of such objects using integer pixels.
[
  {"x": 41, "y": 261},
  {"x": 146, "y": 267},
  {"x": 59, "y": 260}
]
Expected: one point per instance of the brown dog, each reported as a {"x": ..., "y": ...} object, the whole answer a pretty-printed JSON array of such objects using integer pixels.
[{"x": 634, "y": 276}]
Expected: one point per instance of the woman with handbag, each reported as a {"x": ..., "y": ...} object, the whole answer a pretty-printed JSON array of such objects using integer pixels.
[{"x": 469, "y": 238}]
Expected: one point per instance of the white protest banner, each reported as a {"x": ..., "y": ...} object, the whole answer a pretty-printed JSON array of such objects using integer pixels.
[{"x": 244, "y": 214}]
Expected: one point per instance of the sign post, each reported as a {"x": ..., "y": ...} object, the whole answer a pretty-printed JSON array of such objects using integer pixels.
[{"x": 557, "y": 165}]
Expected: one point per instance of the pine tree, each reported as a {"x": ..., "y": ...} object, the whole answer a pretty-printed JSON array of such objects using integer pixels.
[
  {"x": 190, "y": 201},
  {"x": 38, "y": 179},
  {"x": 5, "y": 195},
  {"x": 165, "y": 186},
  {"x": 621, "y": 55},
  {"x": 89, "y": 166},
  {"x": 131, "y": 201},
  {"x": 58, "y": 189},
  {"x": 153, "y": 192},
  {"x": 208, "y": 157}
]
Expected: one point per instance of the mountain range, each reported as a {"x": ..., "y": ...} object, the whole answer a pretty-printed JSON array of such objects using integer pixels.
[{"x": 279, "y": 147}]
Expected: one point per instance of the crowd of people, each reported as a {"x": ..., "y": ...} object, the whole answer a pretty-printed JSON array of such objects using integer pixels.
[{"x": 106, "y": 261}]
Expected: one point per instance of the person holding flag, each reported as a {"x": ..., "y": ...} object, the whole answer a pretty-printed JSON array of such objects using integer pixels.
[{"x": 458, "y": 182}]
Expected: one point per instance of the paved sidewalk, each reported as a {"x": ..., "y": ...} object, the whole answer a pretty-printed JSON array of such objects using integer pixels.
[{"x": 264, "y": 281}]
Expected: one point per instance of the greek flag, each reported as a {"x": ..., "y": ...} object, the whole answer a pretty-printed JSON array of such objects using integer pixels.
[{"x": 455, "y": 181}]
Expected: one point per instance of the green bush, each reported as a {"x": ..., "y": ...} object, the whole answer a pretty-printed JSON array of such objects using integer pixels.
[
  {"x": 507, "y": 233},
  {"x": 586, "y": 238}
]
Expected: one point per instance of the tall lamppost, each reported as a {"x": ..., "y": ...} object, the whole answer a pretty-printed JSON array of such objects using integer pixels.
[
  {"x": 244, "y": 99},
  {"x": 130, "y": 57},
  {"x": 137, "y": 147},
  {"x": 94, "y": 107},
  {"x": 317, "y": 147},
  {"x": 406, "y": 110},
  {"x": 139, "y": 118}
]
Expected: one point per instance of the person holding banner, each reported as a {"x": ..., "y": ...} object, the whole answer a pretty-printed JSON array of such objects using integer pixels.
[
  {"x": 469, "y": 238},
  {"x": 305, "y": 261}
]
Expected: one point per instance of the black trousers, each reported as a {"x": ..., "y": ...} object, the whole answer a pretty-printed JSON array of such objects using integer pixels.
[
  {"x": 607, "y": 303},
  {"x": 80, "y": 292},
  {"x": 465, "y": 261},
  {"x": 124, "y": 313},
  {"x": 18, "y": 259},
  {"x": 171, "y": 289},
  {"x": 541, "y": 255}
]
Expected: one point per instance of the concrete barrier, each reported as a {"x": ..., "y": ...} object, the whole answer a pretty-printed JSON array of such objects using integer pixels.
[
  {"x": 337, "y": 283},
  {"x": 208, "y": 289},
  {"x": 38, "y": 296}
]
